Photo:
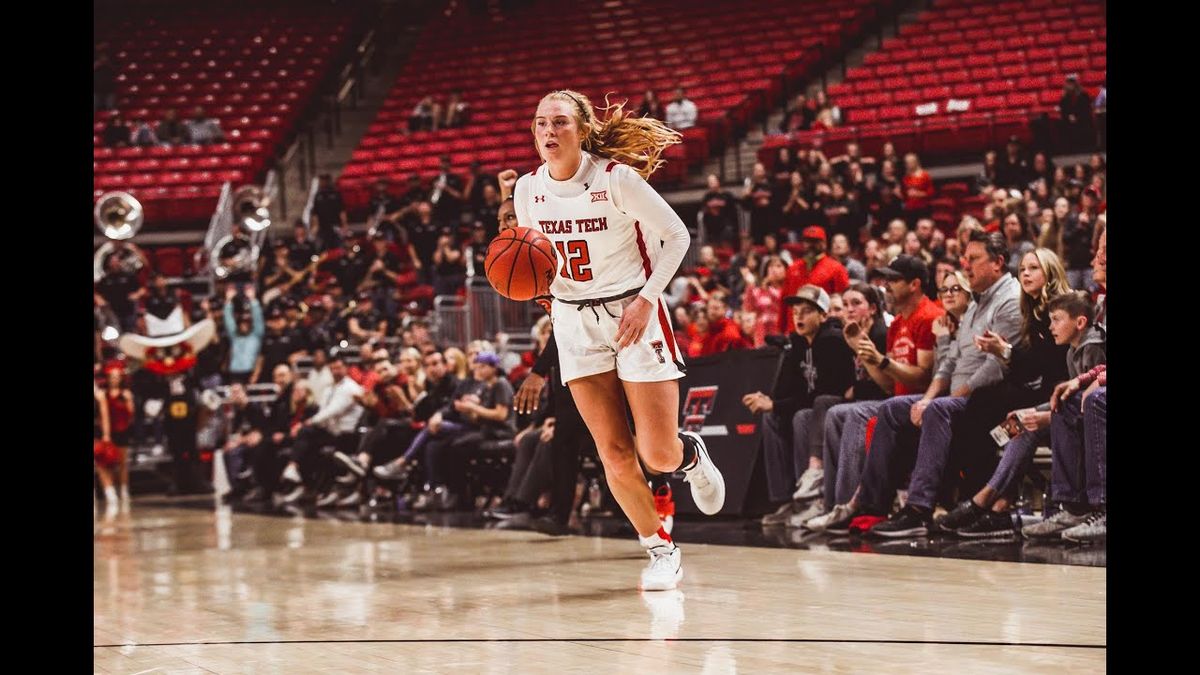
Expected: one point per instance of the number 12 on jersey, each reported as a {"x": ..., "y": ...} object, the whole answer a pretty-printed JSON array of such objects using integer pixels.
[{"x": 576, "y": 258}]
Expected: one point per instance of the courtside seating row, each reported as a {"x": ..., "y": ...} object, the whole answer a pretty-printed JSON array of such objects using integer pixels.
[{"x": 620, "y": 46}]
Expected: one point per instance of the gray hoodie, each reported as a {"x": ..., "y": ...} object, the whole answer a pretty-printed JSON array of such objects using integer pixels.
[{"x": 1089, "y": 354}]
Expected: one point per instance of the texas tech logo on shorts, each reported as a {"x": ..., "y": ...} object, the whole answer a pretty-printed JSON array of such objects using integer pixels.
[
  {"x": 657, "y": 346},
  {"x": 697, "y": 406}
]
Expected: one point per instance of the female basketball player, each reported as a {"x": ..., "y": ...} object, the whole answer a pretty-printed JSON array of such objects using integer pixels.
[{"x": 615, "y": 339}]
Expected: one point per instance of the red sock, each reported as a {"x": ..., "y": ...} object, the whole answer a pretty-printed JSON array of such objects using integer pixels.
[{"x": 665, "y": 535}]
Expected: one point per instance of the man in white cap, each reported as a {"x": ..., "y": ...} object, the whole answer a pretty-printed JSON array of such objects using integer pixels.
[{"x": 818, "y": 362}]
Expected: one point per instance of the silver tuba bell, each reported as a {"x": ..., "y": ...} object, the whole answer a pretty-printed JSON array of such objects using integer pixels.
[
  {"x": 119, "y": 216},
  {"x": 250, "y": 204}
]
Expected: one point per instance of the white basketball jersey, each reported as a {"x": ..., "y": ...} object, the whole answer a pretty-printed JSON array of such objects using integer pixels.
[{"x": 601, "y": 251}]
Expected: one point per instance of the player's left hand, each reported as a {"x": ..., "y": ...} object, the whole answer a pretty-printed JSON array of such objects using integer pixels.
[{"x": 633, "y": 322}]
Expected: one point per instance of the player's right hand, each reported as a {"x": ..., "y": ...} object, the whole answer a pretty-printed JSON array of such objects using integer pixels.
[{"x": 526, "y": 400}]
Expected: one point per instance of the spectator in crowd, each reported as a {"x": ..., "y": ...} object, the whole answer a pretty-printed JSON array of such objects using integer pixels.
[
  {"x": 1101, "y": 108},
  {"x": 390, "y": 409},
  {"x": 912, "y": 246},
  {"x": 474, "y": 255},
  {"x": 822, "y": 102},
  {"x": 925, "y": 230},
  {"x": 800, "y": 115},
  {"x": 387, "y": 270},
  {"x": 333, "y": 424},
  {"x": 825, "y": 120},
  {"x": 986, "y": 513},
  {"x": 446, "y": 196},
  {"x": 262, "y": 432},
  {"x": 1013, "y": 170},
  {"x": 143, "y": 134},
  {"x": 202, "y": 129},
  {"x": 718, "y": 333},
  {"x": 681, "y": 111},
  {"x": 456, "y": 362},
  {"x": 280, "y": 344},
  {"x": 440, "y": 385},
  {"x": 449, "y": 267},
  {"x": 819, "y": 362},
  {"x": 815, "y": 268},
  {"x": 864, "y": 309},
  {"x": 458, "y": 111},
  {"x": 300, "y": 247},
  {"x": 918, "y": 189},
  {"x": 104, "y": 83},
  {"x": 839, "y": 250},
  {"x": 1077, "y": 236},
  {"x": 905, "y": 367},
  {"x": 245, "y": 335},
  {"x": 797, "y": 209},
  {"x": 718, "y": 218},
  {"x": 757, "y": 196},
  {"x": 365, "y": 323},
  {"x": 319, "y": 377},
  {"x": 487, "y": 214},
  {"x": 1075, "y": 114},
  {"x": 1078, "y": 428},
  {"x": 1018, "y": 236},
  {"x": 650, "y": 106},
  {"x": 329, "y": 220},
  {"x": 276, "y": 275},
  {"x": 964, "y": 370},
  {"x": 1042, "y": 169},
  {"x": 483, "y": 413},
  {"x": 764, "y": 297},
  {"x": 897, "y": 231},
  {"x": 988, "y": 179},
  {"x": 477, "y": 180},
  {"x": 116, "y": 133},
  {"x": 170, "y": 130},
  {"x": 425, "y": 115}
]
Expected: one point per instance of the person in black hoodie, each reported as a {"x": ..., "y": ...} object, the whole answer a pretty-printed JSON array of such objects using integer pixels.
[{"x": 818, "y": 362}]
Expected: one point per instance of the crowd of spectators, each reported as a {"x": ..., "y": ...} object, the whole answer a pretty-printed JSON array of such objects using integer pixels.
[{"x": 895, "y": 328}]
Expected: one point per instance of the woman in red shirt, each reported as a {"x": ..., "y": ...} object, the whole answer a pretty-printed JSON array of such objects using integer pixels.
[{"x": 764, "y": 298}]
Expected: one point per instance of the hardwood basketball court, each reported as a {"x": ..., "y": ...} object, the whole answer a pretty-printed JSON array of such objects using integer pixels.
[{"x": 181, "y": 590}]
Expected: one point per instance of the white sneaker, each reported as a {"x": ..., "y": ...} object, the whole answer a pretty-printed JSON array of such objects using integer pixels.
[
  {"x": 665, "y": 568},
  {"x": 839, "y": 513},
  {"x": 290, "y": 472},
  {"x": 293, "y": 496},
  {"x": 328, "y": 499},
  {"x": 708, "y": 485},
  {"x": 811, "y": 484},
  {"x": 815, "y": 508},
  {"x": 352, "y": 499}
]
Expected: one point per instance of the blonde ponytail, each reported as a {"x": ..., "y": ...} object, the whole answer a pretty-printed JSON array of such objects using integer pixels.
[{"x": 636, "y": 141}]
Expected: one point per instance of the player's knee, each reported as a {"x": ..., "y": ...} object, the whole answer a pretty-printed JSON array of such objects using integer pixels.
[
  {"x": 662, "y": 456},
  {"x": 619, "y": 462}
]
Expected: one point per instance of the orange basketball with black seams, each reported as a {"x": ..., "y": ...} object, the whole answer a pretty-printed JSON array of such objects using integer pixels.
[{"x": 520, "y": 263}]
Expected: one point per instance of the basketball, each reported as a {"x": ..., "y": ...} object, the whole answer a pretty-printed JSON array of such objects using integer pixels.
[{"x": 520, "y": 264}]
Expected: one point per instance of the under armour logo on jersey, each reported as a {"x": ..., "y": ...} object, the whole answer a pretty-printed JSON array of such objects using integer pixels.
[
  {"x": 657, "y": 346},
  {"x": 601, "y": 196},
  {"x": 539, "y": 198}
]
